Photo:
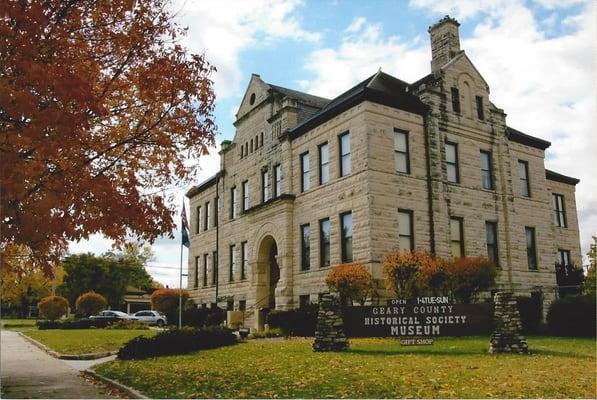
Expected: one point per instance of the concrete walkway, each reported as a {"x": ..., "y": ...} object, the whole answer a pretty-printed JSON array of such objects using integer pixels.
[{"x": 28, "y": 372}]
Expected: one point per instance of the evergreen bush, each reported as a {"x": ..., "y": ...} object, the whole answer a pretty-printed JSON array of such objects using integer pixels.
[{"x": 572, "y": 316}]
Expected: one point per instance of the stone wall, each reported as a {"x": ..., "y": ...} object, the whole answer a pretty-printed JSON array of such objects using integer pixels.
[{"x": 329, "y": 331}]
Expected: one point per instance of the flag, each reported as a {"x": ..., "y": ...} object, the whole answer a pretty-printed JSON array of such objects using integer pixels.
[{"x": 185, "y": 228}]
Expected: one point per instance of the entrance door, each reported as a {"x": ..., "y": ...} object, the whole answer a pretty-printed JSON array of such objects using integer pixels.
[{"x": 274, "y": 275}]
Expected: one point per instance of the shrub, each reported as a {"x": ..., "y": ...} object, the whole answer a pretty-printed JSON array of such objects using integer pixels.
[
  {"x": 572, "y": 316},
  {"x": 531, "y": 313},
  {"x": 590, "y": 285},
  {"x": 127, "y": 325},
  {"x": 176, "y": 341},
  {"x": 166, "y": 301},
  {"x": 351, "y": 281},
  {"x": 270, "y": 333},
  {"x": 83, "y": 323},
  {"x": 90, "y": 303},
  {"x": 53, "y": 307},
  {"x": 469, "y": 276},
  {"x": 297, "y": 322},
  {"x": 570, "y": 279},
  {"x": 402, "y": 272},
  {"x": 199, "y": 317}
]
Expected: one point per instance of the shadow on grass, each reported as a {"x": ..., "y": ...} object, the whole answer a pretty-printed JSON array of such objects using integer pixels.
[
  {"x": 561, "y": 353},
  {"x": 443, "y": 352}
]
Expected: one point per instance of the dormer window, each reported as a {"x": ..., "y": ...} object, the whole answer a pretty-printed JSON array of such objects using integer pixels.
[{"x": 252, "y": 99}]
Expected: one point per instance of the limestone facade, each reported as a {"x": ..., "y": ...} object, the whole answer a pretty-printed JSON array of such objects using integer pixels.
[{"x": 416, "y": 159}]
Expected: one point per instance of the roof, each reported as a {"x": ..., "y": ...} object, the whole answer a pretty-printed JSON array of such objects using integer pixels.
[
  {"x": 528, "y": 140},
  {"x": 306, "y": 98},
  {"x": 554, "y": 176},
  {"x": 203, "y": 185},
  {"x": 380, "y": 88}
]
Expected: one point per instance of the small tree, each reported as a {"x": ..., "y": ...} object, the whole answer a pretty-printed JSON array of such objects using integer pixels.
[
  {"x": 90, "y": 303},
  {"x": 469, "y": 276},
  {"x": 53, "y": 307},
  {"x": 590, "y": 281},
  {"x": 352, "y": 282},
  {"x": 402, "y": 272},
  {"x": 570, "y": 279},
  {"x": 166, "y": 301}
]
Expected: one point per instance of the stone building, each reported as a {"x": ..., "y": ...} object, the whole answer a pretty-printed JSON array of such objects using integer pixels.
[{"x": 309, "y": 182}]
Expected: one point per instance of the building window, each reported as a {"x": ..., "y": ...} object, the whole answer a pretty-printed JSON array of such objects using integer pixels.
[
  {"x": 256, "y": 142},
  {"x": 251, "y": 145},
  {"x": 305, "y": 247},
  {"x": 245, "y": 186},
  {"x": 207, "y": 217},
  {"x": 232, "y": 272},
  {"x": 278, "y": 180},
  {"x": 452, "y": 162},
  {"x": 198, "y": 223},
  {"x": 346, "y": 232},
  {"x": 455, "y": 100},
  {"x": 230, "y": 305},
  {"x": 233, "y": 204},
  {"x": 405, "y": 230},
  {"x": 304, "y": 172},
  {"x": 242, "y": 305},
  {"x": 261, "y": 138},
  {"x": 324, "y": 242},
  {"x": 559, "y": 213},
  {"x": 401, "y": 156},
  {"x": 457, "y": 237},
  {"x": 486, "y": 180},
  {"x": 564, "y": 257},
  {"x": 324, "y": 164},
  {"x": 265, "y": 186},
  {"x": 531, "y": 248},
  {"x": 244, "y": 261},
  {"x": 480, "y": 112},
  {"x": 205, "y": 268},
  {"x": 492, "y": 243},
  {"x": 215, "y": 263},
  {"x": 304, "y": 300},
  {"x": 197, "y": 261},
  {"x": 345, "y": 164},
  {"x": 523, "y": 173},
  {"x": 216, "y": 210}
]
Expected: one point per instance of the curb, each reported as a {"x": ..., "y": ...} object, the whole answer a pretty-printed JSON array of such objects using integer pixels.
[
  {"x": 130, "y": 391},
  {"x": 55, "y": 354}
]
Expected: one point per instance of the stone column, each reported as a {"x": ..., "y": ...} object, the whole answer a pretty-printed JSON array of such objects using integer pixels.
[
  {"x": 507, "y": 332},
  {"x": 284, "y": 289},
  {"x": 329, "y": 331}
]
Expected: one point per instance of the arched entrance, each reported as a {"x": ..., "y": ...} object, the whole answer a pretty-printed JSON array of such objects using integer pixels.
[{"x": 268, "y": 273}]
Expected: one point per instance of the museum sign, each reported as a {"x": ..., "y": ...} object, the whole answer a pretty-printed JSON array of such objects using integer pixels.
[{"x": 418, "y": 317}]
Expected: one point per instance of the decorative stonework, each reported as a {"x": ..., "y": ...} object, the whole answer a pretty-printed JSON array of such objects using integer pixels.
[
  {"x": 329, "y": 331},
  {"x": 506, "y": 336}
]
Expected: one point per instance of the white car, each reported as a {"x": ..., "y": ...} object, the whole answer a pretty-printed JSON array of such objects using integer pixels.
[{"x": 151, "y": 317}]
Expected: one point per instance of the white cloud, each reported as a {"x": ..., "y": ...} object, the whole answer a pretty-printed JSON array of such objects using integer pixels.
[
  {"x": 551, "y": 4},
  {"x": 222, "y": 29},
  {"x": 355, "y": 25},
  {"x": 362, "y": 52},
  {"x": 545, "y": 84}
]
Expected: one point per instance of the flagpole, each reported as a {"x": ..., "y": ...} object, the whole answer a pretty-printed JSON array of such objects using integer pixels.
[{"x": 180, "y": 291}]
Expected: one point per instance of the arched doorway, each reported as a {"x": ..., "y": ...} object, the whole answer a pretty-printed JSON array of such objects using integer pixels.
[{"x": 268, "y": 273}]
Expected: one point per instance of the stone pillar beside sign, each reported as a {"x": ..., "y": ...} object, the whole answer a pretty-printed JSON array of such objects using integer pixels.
[
  {"x": 329, "y": 331},
  {"x": 507, "y": 332}
]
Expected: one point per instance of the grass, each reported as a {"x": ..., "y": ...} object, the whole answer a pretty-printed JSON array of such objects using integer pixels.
[
  {"x": 17, "y": 324},
  {"x": 373, "y": 368},
  {"x": 81, "y": 341}
]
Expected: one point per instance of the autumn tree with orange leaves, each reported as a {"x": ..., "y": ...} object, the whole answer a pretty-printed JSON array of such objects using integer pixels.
[
  {"x": 101, "y": 110},
  {"x": 351, "y": 281}
]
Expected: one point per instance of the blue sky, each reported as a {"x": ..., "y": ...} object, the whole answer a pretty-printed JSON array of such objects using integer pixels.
[{"x": 537, "y": 57}]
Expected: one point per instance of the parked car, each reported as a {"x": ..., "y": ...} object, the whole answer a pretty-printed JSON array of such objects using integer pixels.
[
  {"x": 151, "y": 317},
  {"x": 113, "y": 316}
]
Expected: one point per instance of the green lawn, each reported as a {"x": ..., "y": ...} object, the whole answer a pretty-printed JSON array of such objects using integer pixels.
[
  {"x": 81, "y": 341},
  {"x": 17, "y": 324},
  {"x": 373, "y": 368}
]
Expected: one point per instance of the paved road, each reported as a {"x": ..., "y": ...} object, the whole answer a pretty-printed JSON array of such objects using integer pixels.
[{"x": 28, "y": 372}]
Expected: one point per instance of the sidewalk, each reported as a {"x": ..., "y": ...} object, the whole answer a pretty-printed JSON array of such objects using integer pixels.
[{"x": 28, "y": 372}]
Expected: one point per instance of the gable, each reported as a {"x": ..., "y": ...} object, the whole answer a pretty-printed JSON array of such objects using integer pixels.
[
  {"x": 462, "y": 69},
  {"x": 256, "y": 92}
]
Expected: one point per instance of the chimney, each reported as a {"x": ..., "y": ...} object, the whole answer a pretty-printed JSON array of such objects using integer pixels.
[{"x": 445, "y": 42}]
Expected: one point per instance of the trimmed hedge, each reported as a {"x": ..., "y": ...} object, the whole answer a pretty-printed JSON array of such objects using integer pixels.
[
  {"x": 531, "y": 313},
  {"x": 199, "y": 317},
  {"x": 83, "y": 323},
  {"x": 176, "y": 341},
  {"x": 297, "y": 322},
  {"x": 572, "y": 316},
  {"x": 125, "y": 324}
]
